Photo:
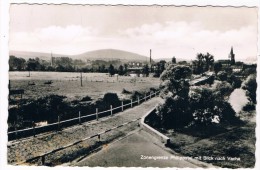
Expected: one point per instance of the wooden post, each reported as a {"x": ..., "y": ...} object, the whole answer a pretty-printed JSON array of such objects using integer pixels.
[
  {"x": 79, "y": 118},
  {"x": 138, "y": 100},
  {"x": 122, "y": 106},
  {"x": 58, "y": 122},
  {"x": 99, "y": 137},
  {"x": 81, "y": 79},
  {"x": 111, "y": 110},
  {"x": 33, "y": 128},
  {"x": 131, "y": 102},
  {"x": 43, "y": 159},
  {"x": 96, "y": 113},
  {"x": 16, "y": 134}
]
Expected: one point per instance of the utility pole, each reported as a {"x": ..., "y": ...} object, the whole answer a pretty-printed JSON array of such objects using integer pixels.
[{"x": 81, "y": 79}]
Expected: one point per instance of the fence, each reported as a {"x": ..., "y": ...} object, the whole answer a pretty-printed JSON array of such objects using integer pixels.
[
  {"x": 98, "y": 135},
  {"x": 77, "y": 120}
]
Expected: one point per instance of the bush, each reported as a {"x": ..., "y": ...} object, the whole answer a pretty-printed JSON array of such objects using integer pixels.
[
  {"x": 124, "y": 91},
  {"x": 174, "y": 113},
  {"x": 222, "y": 76},
  {"x": 249, "y": 107},
  {"x": 250, "y": 86},
  {"x": 234, "y": 81},
  {"x": 86, "y": 98},
  {"x": 135, "y": 95},
  {"x": 111, "y": 99},
  {"x": 224, "y": 88},
  {"x": 248, "y": 71},
  {"x": 208, "y": 107}
]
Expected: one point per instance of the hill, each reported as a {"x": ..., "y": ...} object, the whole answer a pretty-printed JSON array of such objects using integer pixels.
[
  {"x": 104, "y": 54},
  {"x": 112, "y": 54}
]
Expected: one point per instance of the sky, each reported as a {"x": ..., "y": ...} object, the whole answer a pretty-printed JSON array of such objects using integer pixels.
[{"x": 167, "y": 30}]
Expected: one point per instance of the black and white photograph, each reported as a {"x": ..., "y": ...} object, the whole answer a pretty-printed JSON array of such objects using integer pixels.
[{"x": 101, "y": 85}]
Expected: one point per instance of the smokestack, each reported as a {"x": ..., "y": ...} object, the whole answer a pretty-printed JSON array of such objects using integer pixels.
[{"x": 150, "y": 56}]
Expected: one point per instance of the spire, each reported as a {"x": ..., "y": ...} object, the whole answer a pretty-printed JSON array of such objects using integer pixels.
[
  {"x": 150, "y": 56},
  {"x": 232, "y": 56},
  {"x": 231, "y": 52}
]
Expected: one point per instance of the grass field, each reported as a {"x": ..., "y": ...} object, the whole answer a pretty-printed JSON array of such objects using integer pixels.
[{"x": 68, "y": 84}]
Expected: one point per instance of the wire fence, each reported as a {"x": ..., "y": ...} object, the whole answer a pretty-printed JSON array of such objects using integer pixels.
[{"x": 77, "y": 120}]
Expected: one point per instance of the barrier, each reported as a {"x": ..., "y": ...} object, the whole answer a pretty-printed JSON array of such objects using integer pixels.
[
  {"x": 164, "y": 139},
  {"x": 79, "y": 118},
  {"x": 42, "y": 156}
]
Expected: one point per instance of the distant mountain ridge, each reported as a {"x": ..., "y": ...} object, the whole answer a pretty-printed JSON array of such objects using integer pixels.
[{"x": 104, "y": 54}]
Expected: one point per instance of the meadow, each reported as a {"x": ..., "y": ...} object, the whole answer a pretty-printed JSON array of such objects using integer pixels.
[{"x": 68, "y": 84}]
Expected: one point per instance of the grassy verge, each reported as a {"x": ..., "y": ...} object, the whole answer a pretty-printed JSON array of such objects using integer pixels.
[
  {"x": 237, "y": 143},
  {"x": 227, "y": 146}
]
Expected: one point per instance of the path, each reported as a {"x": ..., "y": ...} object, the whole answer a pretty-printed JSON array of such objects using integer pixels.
[{"x": 238, "y": 99}]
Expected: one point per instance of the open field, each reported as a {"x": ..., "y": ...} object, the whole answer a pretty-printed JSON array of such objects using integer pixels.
[{"x": 95, "y": 85}]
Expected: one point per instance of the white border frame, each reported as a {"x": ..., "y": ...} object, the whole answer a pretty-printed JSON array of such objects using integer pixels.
[{"x": 4, "y": 36}]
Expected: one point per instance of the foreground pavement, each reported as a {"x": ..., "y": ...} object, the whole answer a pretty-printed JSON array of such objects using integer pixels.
[{"x": 137, "y": 150}]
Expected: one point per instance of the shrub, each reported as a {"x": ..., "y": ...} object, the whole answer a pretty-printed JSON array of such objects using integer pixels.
[
  {"x": 124, "y": 91},
  {"x": 86, "y": 98},
  {"x": 222, "y": 76},
  {"x": 176, "y": 72},
  {"x": 250, "y": 86},
  {"x": 111, "y": 99},
  {"x": 207, "y": 107},
  {"x": 224, "y": 88},
  {"x": 135, "y": 95},
  {"x": 174, "y": 113},
  {"x": 234, "y": 81},
  {"x": 249, "y": 107}
]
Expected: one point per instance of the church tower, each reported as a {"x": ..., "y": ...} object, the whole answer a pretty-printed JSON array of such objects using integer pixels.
[
  {"x": 232, "y": 57},
  {"x": 150, "y": 57}
]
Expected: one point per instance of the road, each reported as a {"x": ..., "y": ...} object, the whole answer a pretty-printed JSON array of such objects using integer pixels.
[{"x": 128, "y": 152}]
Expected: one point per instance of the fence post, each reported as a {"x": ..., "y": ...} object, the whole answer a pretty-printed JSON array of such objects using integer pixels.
[
  {"x": 79, "y": 117},
  {"x": 99, "y": 137},
  {"x": 97, "y": 113},
  {"x": 16, "y": 134},
  {"x": 131, "y": 102},
  {"x": 58, "y": 122},
  {"x": 33, "y": 128},
  {"x": 43, "y": 159},
  {"x": 122, "y": 106},
  {"x": 138, "y": 100},
  {"x": 111, "y": 110}
]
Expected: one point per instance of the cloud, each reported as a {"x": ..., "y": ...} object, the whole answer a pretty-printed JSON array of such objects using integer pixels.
[
  {"x": 186, "y": 39},
  {"x": 167, "y": 39},
  {"x": 51, "y": 38}
]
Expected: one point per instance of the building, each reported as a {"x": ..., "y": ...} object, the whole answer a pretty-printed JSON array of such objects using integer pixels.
[
  {"x": 137, "y": 68},
  {"x": 228, "y": 62},
  {"x": 232, "y": 57}
]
